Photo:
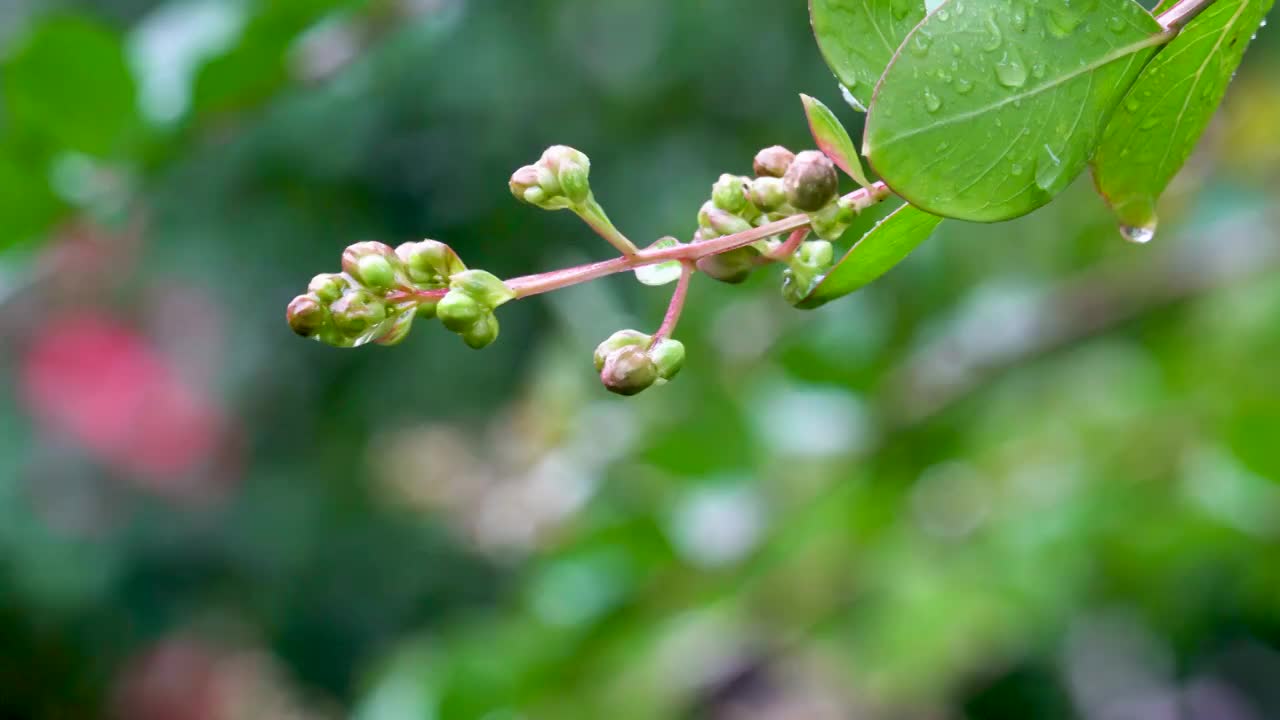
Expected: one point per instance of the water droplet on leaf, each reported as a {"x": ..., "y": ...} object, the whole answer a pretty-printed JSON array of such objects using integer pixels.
[
  {"x": 1011, "y": 72},
  {"x": 1132, "y": 104},
  {"x": 996, "y": 38},
  {"x": 1037, "y": 70},
  {"x": 1048, "y": 169},
  {"x": 963, "y": 86},
  {"x": 920, "y": 44},
  {"x": 1116, "y": 23},
  {"x": 1018, "y": 18},
  {"x": 931, "y": 101}
]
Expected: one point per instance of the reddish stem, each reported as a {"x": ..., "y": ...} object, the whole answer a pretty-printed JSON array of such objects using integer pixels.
[
  {"x": 674, "y": 309},
  {"x": 788, "y": 248}
]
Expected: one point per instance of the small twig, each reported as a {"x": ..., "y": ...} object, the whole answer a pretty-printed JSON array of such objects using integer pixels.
[
  {"x": 674, "y": 309},
  {"x": 788, "y": 248},
  {"x": 594, "y": 216},
  {"x": 1177, "y": 17}
]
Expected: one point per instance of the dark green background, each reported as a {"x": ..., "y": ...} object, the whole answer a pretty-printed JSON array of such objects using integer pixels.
[{"x": 1032, "y": 473}]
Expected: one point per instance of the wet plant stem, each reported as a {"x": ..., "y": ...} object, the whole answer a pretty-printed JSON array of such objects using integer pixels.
[
  {"x": 530, "y": 285},
  {"x": 1177, "y": 17},
  {"x": 674, "y": 309}
]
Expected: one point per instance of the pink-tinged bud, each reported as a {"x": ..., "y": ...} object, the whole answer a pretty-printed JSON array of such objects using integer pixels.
[
  {"x": 372, "y": 264},
  {"x": 307, "y": 315},
  {"x": 357, "y": 312},
  {"x": 811, "y": 181},
  {"x": 773, "y": 161},
  {"x": 617, "y": 341},
  {"x": 629, "y": 371}
]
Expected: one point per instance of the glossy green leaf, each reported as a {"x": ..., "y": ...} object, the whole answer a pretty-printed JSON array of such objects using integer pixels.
[
  {"x": 1168, "y": 108},
  {"x": 884, "y": 246},
  {"x": 859, "y": 37},
  {"x": 661, "y": 273},
  {"x": 994, "y": 106},
  {"x": 833, "y": 139}
]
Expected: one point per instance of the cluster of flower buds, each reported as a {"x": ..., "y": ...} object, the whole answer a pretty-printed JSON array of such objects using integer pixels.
[
  {"x": 380, "y": 292},
  {"x": 558, "y": 181},
  {"x": 631, "y": 362},
  {"x": 785, "y": 184}
]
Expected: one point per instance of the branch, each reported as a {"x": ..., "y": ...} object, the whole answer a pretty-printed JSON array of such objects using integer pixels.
[
  {"x": 1177, "y": 17},
  {"x": 672, "y": 317}
]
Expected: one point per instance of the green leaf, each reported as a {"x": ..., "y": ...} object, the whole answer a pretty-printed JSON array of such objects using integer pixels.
[
  {"x": 859, "y": 37},
  {"x": 992, "y": 107},
  {"x": 833, "y": 139},
  {"x": 69, "y": 87},
  {"x": 884, "y": 246},
  {"x": 661, "y": 273},
  {"x": 1168, "y": 108}
]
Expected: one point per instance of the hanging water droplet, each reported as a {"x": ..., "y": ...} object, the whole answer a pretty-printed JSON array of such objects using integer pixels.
[
  {"x": 1018, "y": 17},
  {"x": 1048, "y": 169},
  {"x": 963, "y": 86},
  {"x": 1037, "y": 70},
  {"x": 1139, "y": 234},
  {"x": 1010, "y": 71},
  {"x": 1116, "y": 23},
  {"x": 931, "y": 101},
  {"x": 995, "y": 38}
]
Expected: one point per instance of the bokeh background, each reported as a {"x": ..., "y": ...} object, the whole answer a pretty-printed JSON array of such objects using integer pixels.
[{"x": 1032, "y": 473}]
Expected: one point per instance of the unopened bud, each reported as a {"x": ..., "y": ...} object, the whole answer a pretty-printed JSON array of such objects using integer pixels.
[
  {"x": 726, "y": 223},
  {"x": 458, "y": 311},
  {"x": 483, "y": 333},
  {"x": 572, "y": 170},
  {"x": 730, "y": 267},
  {"x": 730, "y": 194},
  {"x": 429, "y": 263},
  {"x": 307, "y": 315},
  {"x": 668, "y": 357},
  {"x": 483, "y": 287},
  {"x": 817, "y": 254},
  {"x": 357, "y": 312},
  {"x": 427, "y": 309},
  {"x": 811, "y": 181},
  {"x": 372, "y": 264},
  {"x": 617, "y": 341},
  {"x": 773, "y": 161},
  {"x": 831, "y": 222},
  {"x": 628, "y": 371},
  {"x": 768, "y": 193},
  {"x": 328, "y": 287}
]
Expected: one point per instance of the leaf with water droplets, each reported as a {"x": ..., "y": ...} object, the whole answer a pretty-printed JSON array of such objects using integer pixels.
[
  {"x": 883, "y": 247},
  {"x": 833, "y": 139},
  {"x": 1034, "y": 86},
  {"x": 1168, "y": 108},
  {"x": 661, "y": 273},
  {"x": 859, "y": 37}
]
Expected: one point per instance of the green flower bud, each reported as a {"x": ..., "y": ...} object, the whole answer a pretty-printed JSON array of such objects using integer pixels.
[
  {"x": 725, "y": 223},
  {"x": 328, "y": 287},
  {"x": 730, "y": 194},
  {"x": 832, "y": 221},
  {"x": 617, "y": 341},
  {"x": 333, "y": 338},
  {"x": 483, "y": 333},
  {"x": 427, "y": 309},
  {"x": 372, "y": 264},
  {"x": 572, "y": 170},
  {"x": 357, "y": 312},
  {"x": 668, "y": 357},
  {"x": 773, "y": 161},
  {"x": 817, "y": 254},
  {"x": 485, "y": 288},
  {"x": 429, "y": 263},
  {"x": 458, "y": 311},
  {"x": 730, "y": 267},
  {"x": 628, "y": 371},
  {"x": 811, "y": 181},
  {"x": 307, "y": 315},
  {"x": 768, "y": 193}
]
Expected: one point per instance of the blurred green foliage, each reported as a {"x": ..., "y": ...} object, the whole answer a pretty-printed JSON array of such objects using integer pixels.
[{"x": 1032, "y": 472}]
